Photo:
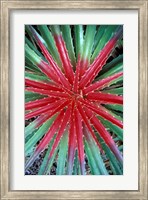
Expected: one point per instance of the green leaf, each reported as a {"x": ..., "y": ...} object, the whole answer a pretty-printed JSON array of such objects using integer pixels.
[
  {"x": 121, "y": 147},
  {"x": 117, "y": 81},
  {"x": 31, "y": 55},
  {"x": 55, "y": 29},
  {"x": 114, "y": 91},
  {"x": 115, "y": 129},
  {"x": 111, "y": 157},
  {"x": 113, "y": 64},
  {"x": 32, "y": 126},
  {"x": 96, "y": 153},
  {"x": 30, "y": 66},
  {"x": 27, "y": 28},
  {"x": 38, "y": 135},
  {"x": 88, "y": 42},
  {"x": 63, "y": 147},
  {"x": 76, "y": 166},
  {"x": 117, "y": 68},
  {"x": 107, "y": 34},
  {"x": 115, "y": 107},
  {"x": 92, "y": 163},
  {"x": 98, "y": 36},
  {"x": 30, "y": 152},
  {"x": 78, "y": 31},
  {"x": 29, "y": 130},
  {"x": 50, "y": 162},
  {"x": 36, "y": 77},
  {"x": 29, "y": 135},
  {"x": 45, "y": 160},
  {"x": 66, "y": 33},
  {"x": 120, "y": 43},
  {"x": 34, "y": 48},
  {"x": 118, "y": 114},
  {"x": 51, "y": 46},
  {"x": 30, "y": 96}
]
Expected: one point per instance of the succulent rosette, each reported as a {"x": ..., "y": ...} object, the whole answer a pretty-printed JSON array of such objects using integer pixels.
[{"x": 74, "y": 99}]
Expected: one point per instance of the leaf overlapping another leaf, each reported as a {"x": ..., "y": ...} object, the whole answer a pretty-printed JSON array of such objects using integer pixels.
[{"x": 74, "y": 99}]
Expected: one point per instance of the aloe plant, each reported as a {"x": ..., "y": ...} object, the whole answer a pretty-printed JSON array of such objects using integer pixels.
[{"x": 74, "y": 99}]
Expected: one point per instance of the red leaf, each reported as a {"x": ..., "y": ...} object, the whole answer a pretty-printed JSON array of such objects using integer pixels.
[
  {"x": 61, "y": 131},
  {"x": 39, "y": 103},
  {"x": 49, "y": 58},
  {"x": 54, "y": 127},
  {"x": 72, "y": 143},
  {"x": 46, "y": 139},
  {"x": 64, "y": 57},
  {"x": 102, "y": 113},
  {"x": 76, "y": 78},
  {"x": 79, "y": 135},
  {"x": 84, "y": 65},
  {"x": 102, "y": 83},
  {"x": 87, "y": 123},
  {"x": 104, "y": 134},
  {"x": 105, "y": 98},
  {"x": 57, "y": 106},
  {"x": 40, "y": 85},
  {"x": 47, "y": 92},
  {"x": 99, "y": 62},
  {"x": 40, "y": 120},
  {"x": 47, "y": 70}
]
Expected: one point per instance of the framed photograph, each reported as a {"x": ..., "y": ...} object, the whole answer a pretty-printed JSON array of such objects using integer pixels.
[{"x": 74, "y": 99}]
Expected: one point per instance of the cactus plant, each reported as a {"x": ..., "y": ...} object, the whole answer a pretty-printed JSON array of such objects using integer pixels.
[{"x": 74, "y": 99}]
